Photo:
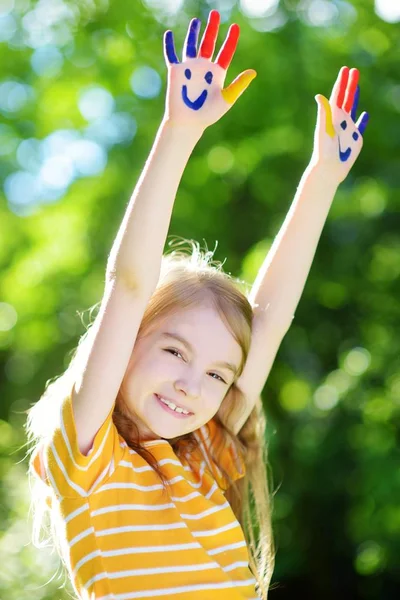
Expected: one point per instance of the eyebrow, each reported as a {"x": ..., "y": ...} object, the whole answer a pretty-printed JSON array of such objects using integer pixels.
[{"x": 179, "y": 338}]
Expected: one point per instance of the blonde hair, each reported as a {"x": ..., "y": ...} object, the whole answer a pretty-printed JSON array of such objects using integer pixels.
[{"x": 187, "y": 279}]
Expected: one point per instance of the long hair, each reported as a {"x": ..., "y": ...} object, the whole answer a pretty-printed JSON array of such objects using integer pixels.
[{"x": 187, "y": 279}]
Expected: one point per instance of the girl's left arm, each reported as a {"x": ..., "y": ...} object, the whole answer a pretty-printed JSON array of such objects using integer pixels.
[{"x": 279, "y": 284}]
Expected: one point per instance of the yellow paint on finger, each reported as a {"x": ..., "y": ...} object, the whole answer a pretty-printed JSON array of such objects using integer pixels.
[
  {"x": 328, "y": 115},
  {"x": 237, "y": 87}
]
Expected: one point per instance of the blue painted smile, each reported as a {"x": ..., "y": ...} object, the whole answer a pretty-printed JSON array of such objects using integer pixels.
[
  {"x": 344, "y": 155},
  {"x": 198, "y": 103}
]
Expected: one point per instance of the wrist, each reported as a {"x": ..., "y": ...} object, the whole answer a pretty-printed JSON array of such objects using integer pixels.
[
  {"x": 181, "y": 132},
  {"x": 322, "y": 172}
]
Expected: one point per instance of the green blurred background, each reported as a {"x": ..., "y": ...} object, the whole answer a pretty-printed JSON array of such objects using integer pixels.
[{"x": 82, "y": 87}]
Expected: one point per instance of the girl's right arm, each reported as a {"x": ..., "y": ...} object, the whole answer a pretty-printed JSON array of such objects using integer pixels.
[
  {"x": 134, "y": 263},
  {"x": 128, "y": 287}
]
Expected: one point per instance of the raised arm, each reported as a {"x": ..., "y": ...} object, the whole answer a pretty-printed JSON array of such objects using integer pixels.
[
  {"x": 280, "y": 281},
  {"x": 195, "y": 99}
]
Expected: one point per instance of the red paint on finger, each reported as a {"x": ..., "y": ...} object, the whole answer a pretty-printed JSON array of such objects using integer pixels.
[
  {"x": 228, "y": 49},
  {"x": 343, "y": 79},
  {"x": 351, "y": 89},
  {"x": 210, "y": 35}
]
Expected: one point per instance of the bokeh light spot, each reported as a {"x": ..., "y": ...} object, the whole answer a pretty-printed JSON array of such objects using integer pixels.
[
  {"x": 388, "y": 10},
  {"x": 321, "y": 13},
  {"x": 255, "y": 8},
  {"x": 357, "y": 361},
  {"x": 117, "y": 129},
  {"x": 29, "y": 154},
  {"x": 145, "y": 82},
  {"x": 96, "y": 103},
  {"x": 14, "y": 96},
  {"x": 370, "y": 558},
  {"x": 220, "y": 159},
  {"x": 326, "y": 397},
  {"x": 47, "y": 61},
  {"x": 295, "y": 395},
  {"x": 8, "y": 27},
  {"x": 88, "y": 157},
  {"x": 8, "y": 316},
  {"x": 57, "y": 172},
  {"x": 169, "y": 7}
]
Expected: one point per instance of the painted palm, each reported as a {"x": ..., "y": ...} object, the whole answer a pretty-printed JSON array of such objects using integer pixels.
[
  {"x": 195, "y": 94},
  {"x": 339, "y": 137}
]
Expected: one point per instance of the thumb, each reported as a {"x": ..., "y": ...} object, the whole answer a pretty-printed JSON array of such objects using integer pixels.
[
  {"x": 238, "y": 86},
  {"x": 324, "y": 118}
]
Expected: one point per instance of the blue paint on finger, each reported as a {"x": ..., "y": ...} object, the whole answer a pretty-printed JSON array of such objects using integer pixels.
[
  {"x": 198, "y": 103},
  {"x": 191, "y": 45},
  {"x": 363, "y": 123},
  {"x": 355, "y": 104},
  {"x": 170, "y": 47}
]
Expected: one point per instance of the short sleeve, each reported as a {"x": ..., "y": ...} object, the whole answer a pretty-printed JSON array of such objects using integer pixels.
[
  {"x": 60, "y": 464},
  {"x": 231, "y": 459}
]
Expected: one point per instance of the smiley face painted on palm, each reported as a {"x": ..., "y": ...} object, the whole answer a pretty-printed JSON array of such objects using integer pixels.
[
  {"x": 198, "y": 103},
  {"x": 345, "y": 154},
  {"x": 350, "y": 130}
]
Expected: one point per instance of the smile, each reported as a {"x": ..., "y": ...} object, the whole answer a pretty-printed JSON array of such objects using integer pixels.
[
  {"x": 198, "y": 103},
  {"x": 344, "y": 155}
]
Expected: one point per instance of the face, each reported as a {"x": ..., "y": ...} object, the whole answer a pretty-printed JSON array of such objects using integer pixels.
[
  {"x": 345, "y": 141},
  {"x": 199, "y": 101},
  {"x": 189, "y": 374}
]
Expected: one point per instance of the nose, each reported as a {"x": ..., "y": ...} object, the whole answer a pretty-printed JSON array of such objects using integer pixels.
[{"x": 189, "y": 386}]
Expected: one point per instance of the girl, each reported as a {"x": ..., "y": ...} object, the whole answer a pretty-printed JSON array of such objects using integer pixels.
[{"x": 147, "y": 446}]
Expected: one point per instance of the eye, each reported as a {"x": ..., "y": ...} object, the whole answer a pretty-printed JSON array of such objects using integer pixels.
[
  {"x": 173, "y": 351},
  {"x": 188, "y": 73},
  {"x": 219, "y": 378},
  {"x": 343, "y": 125},
  {"x": 355, "y": 136},
  {"x": 208, "y": 77}
]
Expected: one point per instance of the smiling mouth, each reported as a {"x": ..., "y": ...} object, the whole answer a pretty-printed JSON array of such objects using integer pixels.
[
  {"x": 344, "y": 155},
  {"x": 198, "y": 103}
]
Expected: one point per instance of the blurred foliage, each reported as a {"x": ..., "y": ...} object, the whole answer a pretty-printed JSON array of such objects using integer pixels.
[{"x": 81, "y": 97}]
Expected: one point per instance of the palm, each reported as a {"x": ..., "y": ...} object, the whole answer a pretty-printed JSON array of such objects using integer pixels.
[
  {"x": 339, "y": 142},
  {"x": 195, "y": 94}
]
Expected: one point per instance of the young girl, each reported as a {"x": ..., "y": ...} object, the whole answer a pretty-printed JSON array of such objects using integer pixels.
[{"x": 150, "y": 447}]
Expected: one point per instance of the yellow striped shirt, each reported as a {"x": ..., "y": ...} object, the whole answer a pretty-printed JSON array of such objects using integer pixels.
[{"x": 122, "y": 539}]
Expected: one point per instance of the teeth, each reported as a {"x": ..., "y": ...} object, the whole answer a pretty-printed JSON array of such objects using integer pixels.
[{"x": 173, "y": 406}]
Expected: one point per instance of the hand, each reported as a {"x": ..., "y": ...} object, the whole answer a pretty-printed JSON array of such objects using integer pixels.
[
  {"x": 338, "y": 138},
  {"x": 195, "y": 94}
]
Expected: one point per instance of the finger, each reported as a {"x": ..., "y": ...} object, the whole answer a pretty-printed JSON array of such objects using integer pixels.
[
  {"x": 190, "y": 45},
  {"x": 355, "y": 104},
  {"x": 324, "y": 119},
  {"x": 237, "y": 87},
  {"x": 210, "y": 35},
  {"x": 228, "y": 49},
  {"x": 362, "y": 122},
  {"x": 339, "y": 89},
  {"x": 169, "y": 48},
  {"x": 351, "y": 89}
]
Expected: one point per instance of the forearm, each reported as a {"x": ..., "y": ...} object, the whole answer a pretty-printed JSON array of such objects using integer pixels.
[
  {"x": 135, "y": 257},
  {"x": 281, "y": 279}
]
